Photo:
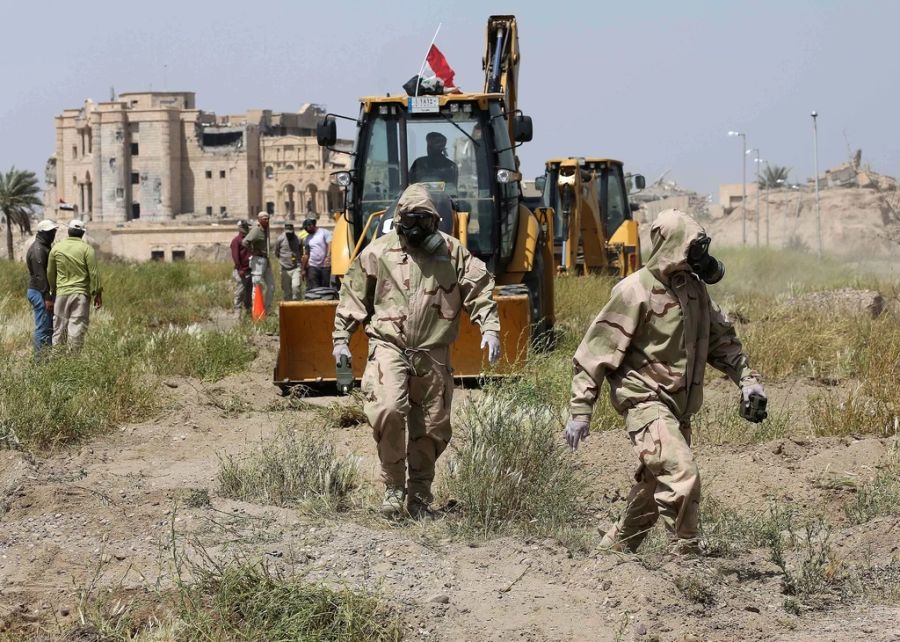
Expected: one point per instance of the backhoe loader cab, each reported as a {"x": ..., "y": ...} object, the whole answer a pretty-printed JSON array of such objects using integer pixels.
[
  {"x": 594, "y": 230},
  {"x": 458, "y": 146}
]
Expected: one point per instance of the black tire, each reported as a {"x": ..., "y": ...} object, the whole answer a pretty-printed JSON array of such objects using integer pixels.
[{"x": 541, "y": 326}]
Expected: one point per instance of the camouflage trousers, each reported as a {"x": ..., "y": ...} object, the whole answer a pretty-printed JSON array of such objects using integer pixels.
[
  {"x": 668, "y": 481},
  {"x": 408, "y": 399}
]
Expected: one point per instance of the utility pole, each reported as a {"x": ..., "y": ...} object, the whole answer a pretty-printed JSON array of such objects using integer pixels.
[
  {"x": 743, "y": 136},
  {"x": 768, "y": 187},
  {"x": 757, "y": 160},
  {"x": 815, "y": 116}
]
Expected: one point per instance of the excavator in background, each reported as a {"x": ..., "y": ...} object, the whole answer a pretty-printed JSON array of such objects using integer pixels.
[
  {"x": 594, "y": 228},
  {"x": 475, "y": 183}
]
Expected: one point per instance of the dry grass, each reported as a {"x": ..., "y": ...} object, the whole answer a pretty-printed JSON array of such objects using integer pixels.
[{"x": 290, "y": 470}]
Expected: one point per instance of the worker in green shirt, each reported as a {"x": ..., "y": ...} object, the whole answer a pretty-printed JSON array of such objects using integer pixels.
[
  {"x": 257, "y": 241},
  {"x": 74, "y": 280}
]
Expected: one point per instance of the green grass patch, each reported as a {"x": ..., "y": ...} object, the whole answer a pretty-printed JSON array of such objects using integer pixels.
[
  {"x": 244, "y": 601},
  {"x": 509, "y": 469}
]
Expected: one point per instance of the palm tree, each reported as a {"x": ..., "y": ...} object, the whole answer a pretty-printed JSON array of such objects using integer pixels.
[
  {"x": 18, "y": 196},
  {"x": 773, "y": 176}
]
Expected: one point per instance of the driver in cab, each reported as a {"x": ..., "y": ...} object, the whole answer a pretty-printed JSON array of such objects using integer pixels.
[{"x": 434, "y": 166}]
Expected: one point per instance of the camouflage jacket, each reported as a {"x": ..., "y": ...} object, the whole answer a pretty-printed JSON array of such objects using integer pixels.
[
  {"x": 412, "y": 299},
  {"x": 654, "y": 337}
]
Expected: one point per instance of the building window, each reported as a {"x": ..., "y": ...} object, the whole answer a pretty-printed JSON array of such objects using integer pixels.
[
  {"x": 120, "y": 192},
  {"x": 135, "y": 210},
  {"x": 209, "y": 210},
  {"x": 135, "y": 178},
  {"x": 134, "y": 127},
  {"x": 221, "y": 173},
  {"x": 157, "y": 255},
  {"x": 112, "y": 162},
  {"x": 269, "y": 172},
  {"x": 134, "y": 149},
  {"x": 270, "y": 208},
  {"x": 209, "y": 173},
  {"x": 178, "y": 255},
  {"x": 222, "y": 210},
  {"x": 74, "y": 151},
  {"x": 289, "y": 166}
]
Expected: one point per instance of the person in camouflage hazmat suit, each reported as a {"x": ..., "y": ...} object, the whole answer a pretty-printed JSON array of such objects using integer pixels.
[
  {"x": 652, "y": 342},
  {"x": 408, "y": 288}
]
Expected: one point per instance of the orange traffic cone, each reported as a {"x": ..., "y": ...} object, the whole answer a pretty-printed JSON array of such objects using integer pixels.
[{"x": 259, "y": 306}]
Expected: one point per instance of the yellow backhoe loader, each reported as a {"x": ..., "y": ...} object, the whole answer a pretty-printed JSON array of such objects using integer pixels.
[
  {"x": 594, "y": 230},
  {"x": 476, "y": 186}
]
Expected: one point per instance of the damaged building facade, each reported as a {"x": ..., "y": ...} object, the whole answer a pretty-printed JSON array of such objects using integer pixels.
[{"x": 153, "y": 156}]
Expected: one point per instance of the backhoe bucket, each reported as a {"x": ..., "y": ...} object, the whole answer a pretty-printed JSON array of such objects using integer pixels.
[{"x": 305, "y": 352}]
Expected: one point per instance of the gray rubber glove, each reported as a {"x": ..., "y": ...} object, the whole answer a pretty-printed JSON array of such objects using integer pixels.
[
  {"x": 753, "y": 389},
  {"x": 491, "y": 341},
  {"x": 340, "y": 350},
  {"x": 577, "y": 429}
]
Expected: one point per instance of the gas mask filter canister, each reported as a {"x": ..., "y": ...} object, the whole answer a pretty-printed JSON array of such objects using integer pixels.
[{"x": 708, "y": 268}]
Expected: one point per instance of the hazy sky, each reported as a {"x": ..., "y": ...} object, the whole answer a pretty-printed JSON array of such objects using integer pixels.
[{"x": 654, "y": 83}]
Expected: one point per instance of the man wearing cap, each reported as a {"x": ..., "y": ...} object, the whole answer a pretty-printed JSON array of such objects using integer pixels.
[
  {"x": 240, "y": 256},
  {"x": 74, "y": 280},
  {"x": 408, "y": 288},
  {"x": 316, "y": 255},
  {"x": 288, "y": 251},
  {"x": 38, "y": 292},
  {"x": 257, "y": 242},
  {"x": 434, "y": 166}
]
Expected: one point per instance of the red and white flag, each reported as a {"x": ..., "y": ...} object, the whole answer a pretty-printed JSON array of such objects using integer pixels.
[{"x": 436, "y": 66}]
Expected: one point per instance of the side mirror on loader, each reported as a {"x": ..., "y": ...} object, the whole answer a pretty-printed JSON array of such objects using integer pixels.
[
  {"x": 540, "y": 183},
  {"x": 326, "y": 132},
  {"x": 523, "y": 128},
  {"x": 639, "y": 181}
]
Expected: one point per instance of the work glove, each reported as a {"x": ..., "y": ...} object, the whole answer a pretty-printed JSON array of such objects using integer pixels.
[
  {"x": 753, "y": 389},
  {"x": 491, "y": 341},
  {"x": 577, "y": 428},
  {"x": 340, "y": 350}
]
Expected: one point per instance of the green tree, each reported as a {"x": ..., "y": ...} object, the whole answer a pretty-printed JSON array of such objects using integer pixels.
[
  {"x": 18, "y": 197},
  {"x": 771, "y": 176}
]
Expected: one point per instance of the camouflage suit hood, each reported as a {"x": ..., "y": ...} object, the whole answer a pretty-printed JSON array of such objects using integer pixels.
[
  {"x": 654, "y": 337},
  {"x": 409, "y": 298}
]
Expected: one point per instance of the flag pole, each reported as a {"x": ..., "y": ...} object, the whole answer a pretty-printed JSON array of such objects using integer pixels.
[{"x": 425, "y": 62}]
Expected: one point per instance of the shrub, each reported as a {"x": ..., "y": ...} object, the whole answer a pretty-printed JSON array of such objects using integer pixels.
[
  {"x": 249, "y": 601},
  {"x": 290, "y": 469},
  {"x": 509, "y": 468}
]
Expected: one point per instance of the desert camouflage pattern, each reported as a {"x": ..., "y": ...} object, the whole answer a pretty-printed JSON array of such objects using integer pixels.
[
  {"x": 408, "y": 407},
  {"x": 658, "y": 331},
  {"x": 667, "y": 479},
  {"x": 411, "y": 299},
  {"x": 410, "y": 302}
]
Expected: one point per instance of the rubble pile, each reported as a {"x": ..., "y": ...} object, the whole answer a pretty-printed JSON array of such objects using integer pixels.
[{"x": 854, "y": 173}]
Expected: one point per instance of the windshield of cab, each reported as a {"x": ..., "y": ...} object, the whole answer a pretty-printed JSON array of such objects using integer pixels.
[{"x": 445, "y": 151}]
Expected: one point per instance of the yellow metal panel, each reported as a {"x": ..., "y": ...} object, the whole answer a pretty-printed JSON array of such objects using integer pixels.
[
  {"x": 526, "y": 241},
  {"x": 305, "y": 349},
  {"x": 341, "y": 246}
]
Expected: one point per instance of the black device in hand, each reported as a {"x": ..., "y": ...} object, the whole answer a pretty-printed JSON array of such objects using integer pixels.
[
  {"x": 754, "y": 408},
  {"x": 344, "y": 376}
]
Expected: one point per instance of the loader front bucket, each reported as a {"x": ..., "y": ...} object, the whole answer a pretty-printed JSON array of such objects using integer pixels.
[{"x": 305, "y": 358}]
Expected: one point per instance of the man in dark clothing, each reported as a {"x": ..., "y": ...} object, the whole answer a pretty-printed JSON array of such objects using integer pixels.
[
  {"x": 240, "y": 255},
  {"x": 38, "y": 292},
  {"x": 434, "y": 166}
]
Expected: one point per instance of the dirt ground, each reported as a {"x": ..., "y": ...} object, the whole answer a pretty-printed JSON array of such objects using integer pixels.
[{"x": 105, "y": 508}]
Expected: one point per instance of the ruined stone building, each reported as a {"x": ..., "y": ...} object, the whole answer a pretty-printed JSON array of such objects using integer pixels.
[{"x": 153, "y": 156}]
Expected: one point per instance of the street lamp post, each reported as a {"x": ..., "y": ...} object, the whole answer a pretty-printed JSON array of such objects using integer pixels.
[
  {"x": 815, "y": 116},
  {"x": 758, "y": 161},
  {"x": 743, "y": 185}
]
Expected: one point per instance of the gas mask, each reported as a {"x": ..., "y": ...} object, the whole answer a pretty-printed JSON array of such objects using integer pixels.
[
  {"x": 708, "y": 268},
  {"x": 418, "y": 230}
]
